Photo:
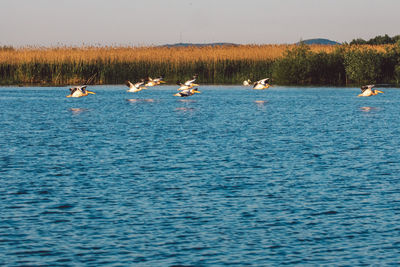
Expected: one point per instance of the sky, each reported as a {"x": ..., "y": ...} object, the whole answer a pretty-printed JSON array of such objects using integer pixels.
[{"x": 157, "y": 22}]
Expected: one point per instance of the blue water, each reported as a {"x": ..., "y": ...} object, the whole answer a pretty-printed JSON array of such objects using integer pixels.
[{"x": 232, "y": 176}]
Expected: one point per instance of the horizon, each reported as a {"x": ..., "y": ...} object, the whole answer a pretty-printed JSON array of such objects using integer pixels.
[{"x": 179, "y": 44}]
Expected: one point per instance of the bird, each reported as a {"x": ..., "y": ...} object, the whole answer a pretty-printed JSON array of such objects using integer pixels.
[
  {"x": 79, "y": 91},
  {"x": 247, "y": 83},
  {"x": 187, "y": 92},
  {"x": 366, "y": 90},
  {"x": 153, "y": 82},
  {"x": 159, "y": 80},
  {"x": 133, "y": 88},
  {"x": 189, "y": 84},
  {"x": 261, "y": 84}
]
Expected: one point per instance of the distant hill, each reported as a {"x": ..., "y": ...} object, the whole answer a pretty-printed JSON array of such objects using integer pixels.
[
  {"x": 320, "y": 41},
  {"x": 198, "y": 45}
]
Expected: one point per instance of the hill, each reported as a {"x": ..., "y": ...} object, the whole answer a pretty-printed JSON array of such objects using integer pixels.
[
  {"x": 319, "y": 41},
  {"x": 198, "y": 45}
]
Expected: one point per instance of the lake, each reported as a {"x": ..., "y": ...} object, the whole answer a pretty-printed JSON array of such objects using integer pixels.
[{"x": 231, "y": 176}]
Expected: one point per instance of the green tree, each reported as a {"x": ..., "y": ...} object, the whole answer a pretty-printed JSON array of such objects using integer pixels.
[
  {"x": 294, "y": 67},
  {"x": 358, "y": 41},
  {"x": 363, "y": 66},
  {"x": 397, "y": 74}
]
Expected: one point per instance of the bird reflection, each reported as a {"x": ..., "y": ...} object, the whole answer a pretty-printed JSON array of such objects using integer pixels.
[
  {"x": 140, "y": 100},
  {"x": 187, "y": 101},
  {"x": 261, "y": 104},
  {"x": 368, "y": 109},
  {"x": 77, "y": 111},
  {"x": 183, "y": 109}
]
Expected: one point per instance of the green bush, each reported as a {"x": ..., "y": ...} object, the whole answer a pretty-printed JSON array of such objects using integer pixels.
[
  {"x": 294, "y": 67},
  {"x": 303, "y": 67},
  {"x": 363, "y": 67}
]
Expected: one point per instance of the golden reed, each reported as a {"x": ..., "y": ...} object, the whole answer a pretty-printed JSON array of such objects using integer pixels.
[
  {"x": 157, "y": 54},
  {"x": 217, "y": 64}
]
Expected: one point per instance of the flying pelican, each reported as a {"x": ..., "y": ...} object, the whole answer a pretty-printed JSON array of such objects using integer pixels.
[
  {"x": 135, "y": 87},
  {"x": 79, "y": 91},
  {"x": 366, "y": 90},
  {"x": 189, "y": 84},
  {"x": 261, "y": 84},
  {"x": 187, "y": 92},
  {"x": 153, "y": 82},
  {"x": 247, "y": 83},
  {"x": 159, "y": 80}
]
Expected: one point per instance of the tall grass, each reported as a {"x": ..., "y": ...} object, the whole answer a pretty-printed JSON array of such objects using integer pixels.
[{"x": 220, "y": 64}]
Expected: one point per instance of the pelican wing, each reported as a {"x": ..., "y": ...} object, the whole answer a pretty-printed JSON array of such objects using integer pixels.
[
  {"x": 159, "y": 79},
  {"x": 185, "y": 93},
  {"x": 189, "y": 82},
  {"x": 129, "y": 84},
  {"x": 263, "y": 81},
  {"x": 366, "y": 87},
  {"x": 137, "y": 85},
  {"x": 255, "y": 84},
  {"x": 82, "y": 88},
  {"x": 77, "y": 88}
]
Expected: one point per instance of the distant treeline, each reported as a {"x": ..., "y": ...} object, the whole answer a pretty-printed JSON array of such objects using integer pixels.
[
  {"x": 285, "y": 64},
  {"x": 377, "y": 40},
  {"x": 346, "y": 65}
]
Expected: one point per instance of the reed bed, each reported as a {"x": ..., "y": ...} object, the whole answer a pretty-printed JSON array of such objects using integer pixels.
[
  {"x": 219, "y": 64},
  {"x": 151, "y": 54}
]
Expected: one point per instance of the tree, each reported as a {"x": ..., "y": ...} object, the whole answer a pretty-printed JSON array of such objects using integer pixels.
[
  {"x": 294, "y": 67},
  {"x": 397, "y": 73},
  {"x": 363, "y": 66},
  {"x": 358, "y": 41}
]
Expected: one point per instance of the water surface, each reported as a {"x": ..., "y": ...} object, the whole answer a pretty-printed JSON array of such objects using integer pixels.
[{"x": 230, "y": 176}]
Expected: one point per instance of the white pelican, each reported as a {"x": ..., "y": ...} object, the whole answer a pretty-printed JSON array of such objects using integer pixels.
[
  {"x": 247, "y": 83},
  {"x": 135, "y": 87},
  {"x": 153, "y": 82},
  {"x": 159, "y": 80},
  {"x": 189, "y": 84},
  {"x": 187, "y": 92},
  {"x": 79, "y": 91},
  {"x": 366, "y": 90},
  {"x": 261, "y": 84}
]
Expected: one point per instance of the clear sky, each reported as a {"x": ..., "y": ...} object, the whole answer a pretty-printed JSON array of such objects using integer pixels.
[{"x": 155, "y": 22}]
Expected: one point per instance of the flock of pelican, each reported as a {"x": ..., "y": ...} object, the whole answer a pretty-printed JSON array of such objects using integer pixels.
[
  {"x": 143, "y": 84},
  {"x": 259, "y": 85},
  {"x": 188, "y": 88}
]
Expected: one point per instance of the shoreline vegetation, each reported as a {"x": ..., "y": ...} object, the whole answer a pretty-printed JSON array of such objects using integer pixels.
[{"x": 334, "y": 65}]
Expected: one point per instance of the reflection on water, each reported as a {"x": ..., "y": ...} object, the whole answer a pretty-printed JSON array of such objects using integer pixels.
[
  {"x": 368, "y": 109},
  {"x": 184, "y": 109},
  {"x": 136, "y": 100},
  {"x": 77, "y": 111},
  {"x": 261, "y": 102},
  {"x": 187, "y": 100}
]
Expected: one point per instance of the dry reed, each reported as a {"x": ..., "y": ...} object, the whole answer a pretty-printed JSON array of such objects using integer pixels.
[{"x": 218, "y": 64}]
